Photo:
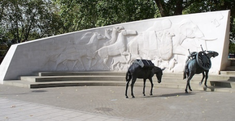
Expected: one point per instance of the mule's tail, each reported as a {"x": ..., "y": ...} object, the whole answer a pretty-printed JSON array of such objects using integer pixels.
[{"x": 128, "y": 76}]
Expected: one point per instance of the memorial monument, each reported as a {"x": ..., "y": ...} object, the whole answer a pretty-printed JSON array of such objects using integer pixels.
[{"x": 165, "y": 41}]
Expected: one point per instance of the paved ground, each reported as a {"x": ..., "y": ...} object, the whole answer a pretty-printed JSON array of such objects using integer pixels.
[{"x": 101, "y": 103}]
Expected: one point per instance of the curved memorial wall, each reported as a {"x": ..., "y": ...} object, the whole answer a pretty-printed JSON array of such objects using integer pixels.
[{"x": 165, "y": 41}]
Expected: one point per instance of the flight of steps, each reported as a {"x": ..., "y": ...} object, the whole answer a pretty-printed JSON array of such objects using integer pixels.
[{"x": 223, "y": 82}]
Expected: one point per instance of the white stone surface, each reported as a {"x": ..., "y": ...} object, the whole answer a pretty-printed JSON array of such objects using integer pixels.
[{"x": 164, "y": 40}]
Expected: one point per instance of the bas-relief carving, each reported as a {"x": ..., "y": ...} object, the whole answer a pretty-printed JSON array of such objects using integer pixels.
[
  {"x": 74, "y": 53},
  {"x": 118, "y": 48},
  {"x": 165, "y": 43},
  {"x": 216, "y": 20}
]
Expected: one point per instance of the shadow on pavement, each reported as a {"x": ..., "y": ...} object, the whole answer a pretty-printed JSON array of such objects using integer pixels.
[
  {"x": 171, "y": 95},
  {"x": 38, "y": 91}
]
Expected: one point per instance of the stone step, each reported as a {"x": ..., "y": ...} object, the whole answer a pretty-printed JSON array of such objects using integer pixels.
[
  {"x": 75, "y": 83},
  {"x": 231, "y": 68},
  {"x": 72, "y": 78},
  {"x": 111, "y": 83},
  {"x": 105, "y": 78},
  {"x": 169, "y": 80},
  {"x": 81, "y": 73},
  {"x": 224, "y": 74},
  {"x": 89, "y": 78},
  {"x": 97, "y": 79},
  {"x": 34, "y": 85},
  {"x": 17, "y": 83},
  {"x": 231, "y": 73},
  {"x": 116, "y": 76},
  {"x": 96, "y": 83}
]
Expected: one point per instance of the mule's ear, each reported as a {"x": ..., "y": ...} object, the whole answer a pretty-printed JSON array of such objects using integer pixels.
[{"x": 163, "y": 68}]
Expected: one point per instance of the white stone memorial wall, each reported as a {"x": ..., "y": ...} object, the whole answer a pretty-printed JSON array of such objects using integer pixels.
[{"x": 164, "y": 40}]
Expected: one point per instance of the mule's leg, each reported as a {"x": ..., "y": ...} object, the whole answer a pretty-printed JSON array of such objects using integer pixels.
[
  {"x": 186, "y": 88},
  {"x": 189, "y": 86},
  {"x": 203, "y": 76},
  {"x": 151, "y": 91},
  {"x": 205, "y": 83},
  {"x": 144, "y": 87},
  {"x": 185, "y": 72},
  {"x": 127, "y": 84},
  {"x": 132, "y": 86},
  {"x": 188, "y": 83},
  {"x": 128, "y": 79}
]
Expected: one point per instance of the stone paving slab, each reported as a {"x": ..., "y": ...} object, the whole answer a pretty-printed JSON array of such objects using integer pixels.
[
  {"x": 15, "y": 110},
  {"x": 109, "y": 103}
]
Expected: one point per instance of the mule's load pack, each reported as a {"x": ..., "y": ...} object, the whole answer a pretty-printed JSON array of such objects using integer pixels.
[
  {"x": 203, "y": 60},
  {"x": 144, "y": 63}
]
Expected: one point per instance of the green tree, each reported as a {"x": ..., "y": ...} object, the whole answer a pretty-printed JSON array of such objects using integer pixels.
[
  {"x": 23, "y": 18},
  {"x": 232, "y": 48},
  {"x": 84, "y": 14},
  {"x": 172, "y": 7}
]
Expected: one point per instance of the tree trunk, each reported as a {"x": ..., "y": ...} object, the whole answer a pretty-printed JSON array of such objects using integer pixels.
[
  {"x": 160, "y": 5},
  {"x": 179, "y": 8}
]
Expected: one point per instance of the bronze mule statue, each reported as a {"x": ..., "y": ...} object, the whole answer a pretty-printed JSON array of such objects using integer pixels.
[
  {"x": 198, "y": 62},
  {"x": 137, "y": 70}
]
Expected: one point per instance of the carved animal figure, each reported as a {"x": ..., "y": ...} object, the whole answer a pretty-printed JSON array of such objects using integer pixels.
[
  {"x": 193, "y": 68},
  {"x": 165, "y": 46},
  {"x": 136, "y": 71},
  {"x": 153, "y": 44},
  {"x": 76, "y": 52},
  {"x": 119, "y": 62},
  {"x": 187, "y": 29},
  {"x": 172, "y": 64},
  {"x": 114, "y": 35},
  {"x": 117, "y": 48}
]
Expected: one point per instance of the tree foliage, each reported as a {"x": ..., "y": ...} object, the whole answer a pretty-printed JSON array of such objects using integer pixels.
[
  {"x": 21, "y": 19},
  {"x": 172, "y": 7},
  {"x": 83, "y": 14}
]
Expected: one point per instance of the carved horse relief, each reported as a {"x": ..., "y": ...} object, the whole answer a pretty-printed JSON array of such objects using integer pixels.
[
  {"x": 114, "y": 35},
  {"x": 117, "y": 48},
  {"x": 77, "y": 51},
  {"x": 119, "y": 62}
]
